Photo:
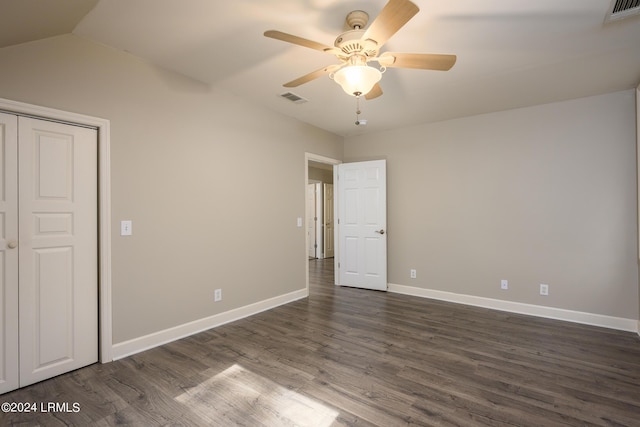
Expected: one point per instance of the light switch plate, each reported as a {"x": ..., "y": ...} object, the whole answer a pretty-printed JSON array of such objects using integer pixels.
[{"x": 126, "y": 228}]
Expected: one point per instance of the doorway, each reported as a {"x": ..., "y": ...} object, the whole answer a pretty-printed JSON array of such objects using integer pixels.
[
  {"x": 314, "y": 218},
  {"x": 319, "y": 214},
  {"x": 320, "y": 225}
]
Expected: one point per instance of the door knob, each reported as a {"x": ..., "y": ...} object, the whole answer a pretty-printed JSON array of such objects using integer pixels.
[
  {"x": 12, "y": 244},
  {"x": 380, "y": 231}
]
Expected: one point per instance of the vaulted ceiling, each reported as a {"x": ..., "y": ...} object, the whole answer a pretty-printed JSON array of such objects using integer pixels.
[{"x": 509, "y": 53}]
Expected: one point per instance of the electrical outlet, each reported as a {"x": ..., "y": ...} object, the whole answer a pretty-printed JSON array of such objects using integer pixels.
[
  {"x": 504, "y": 284},
  {"x": 413, "y": 273},
  {"x": 544, "y": 289},
  {"x": 217, "y": 295}
]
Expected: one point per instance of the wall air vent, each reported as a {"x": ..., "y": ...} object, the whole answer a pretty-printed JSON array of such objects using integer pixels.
[
  {"x": 620, "y": 9},
  {"x": 293, "y": 98}
]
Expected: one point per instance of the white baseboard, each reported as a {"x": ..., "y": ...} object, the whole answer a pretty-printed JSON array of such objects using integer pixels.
[
  {"x": 136, "y": 345},
  {"x": 610, "y": 322}
]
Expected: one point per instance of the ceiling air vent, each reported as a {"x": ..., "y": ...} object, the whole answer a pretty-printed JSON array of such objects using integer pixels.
[
  {"x": 620, "y": 9},
  {"x": 293, "y": 97}
]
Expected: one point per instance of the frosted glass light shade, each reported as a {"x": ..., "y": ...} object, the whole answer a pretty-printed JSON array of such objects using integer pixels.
[{"x": 357, "y": 79}]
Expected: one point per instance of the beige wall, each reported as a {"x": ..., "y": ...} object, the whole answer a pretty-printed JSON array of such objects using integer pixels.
[
  {"x": 545, "y": 194},
  {"x": 186, "y": 162}
]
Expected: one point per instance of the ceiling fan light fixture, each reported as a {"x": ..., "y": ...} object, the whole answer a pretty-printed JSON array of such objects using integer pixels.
[
  {"x": 357, "y": 80},
  {"x": 356, "y": 47}
]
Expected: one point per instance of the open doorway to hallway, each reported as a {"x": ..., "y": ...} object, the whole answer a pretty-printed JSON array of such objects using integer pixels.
[
  {"x": 319, "y": 217},
  {"x": 320, "y": 224}
]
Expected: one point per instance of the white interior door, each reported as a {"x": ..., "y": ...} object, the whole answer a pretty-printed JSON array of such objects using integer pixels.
[
  {"x": 319, "y": 221},
  {"x": 58, "y": 292},
  {"x": 311, "y": 223},
  {"x": 9, "y": 365},
  {"x": 329, "y": 247},
  {"x": 362, "y": 221},
  {"x": 49, "y": 249}
]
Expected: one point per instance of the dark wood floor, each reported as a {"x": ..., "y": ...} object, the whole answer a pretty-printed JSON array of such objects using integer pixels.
[{"x": 353, "y": 357}]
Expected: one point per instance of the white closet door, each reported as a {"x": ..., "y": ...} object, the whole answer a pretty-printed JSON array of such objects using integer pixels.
[
  {"x": 9, "y": 379},
  {"x": 58, "y": 292}
]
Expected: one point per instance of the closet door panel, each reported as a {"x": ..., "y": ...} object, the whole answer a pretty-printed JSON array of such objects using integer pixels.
[
  {"x": 9, "y": 379},
  {"x": 58, "y": 296}
]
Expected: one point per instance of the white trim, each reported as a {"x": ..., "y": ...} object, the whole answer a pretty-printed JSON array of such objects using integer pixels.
[
  {"x": 638, "y": 182},
  {"x": 619, "y": 323},
  {"x": 137, "y": 345},
  {"x": 321, "y": 159},
  {"x": 104, "y": 224}
]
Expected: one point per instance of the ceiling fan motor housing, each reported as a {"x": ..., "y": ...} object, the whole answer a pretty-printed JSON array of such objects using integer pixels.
[{"x": 351, "y": 42}]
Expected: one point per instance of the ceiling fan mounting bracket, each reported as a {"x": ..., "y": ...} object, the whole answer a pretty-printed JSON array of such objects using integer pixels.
[{"x": 357, "y": 19}]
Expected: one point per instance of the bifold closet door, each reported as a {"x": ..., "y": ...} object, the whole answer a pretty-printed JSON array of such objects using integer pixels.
[
  {"x": 58, "y": 248},
  {"x": 9, "y": 378},
  {"x": 54, "y": 250}
]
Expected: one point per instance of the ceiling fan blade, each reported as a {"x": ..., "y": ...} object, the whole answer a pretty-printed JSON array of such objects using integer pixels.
[
  {"x": 312, "y": 76},
  {"x": 393, "y": 16},
  {"x": 289, "y": 38},
  {"x": 375, "y": 92},
  {"x": 423, "y": 61}
]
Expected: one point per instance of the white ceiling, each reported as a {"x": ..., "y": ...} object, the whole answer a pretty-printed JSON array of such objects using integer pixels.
[{"x": 510, "y": 53}]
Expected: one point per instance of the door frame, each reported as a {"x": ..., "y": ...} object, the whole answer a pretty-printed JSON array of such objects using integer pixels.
[
  {"x": 105, "y": 339},
  {"x": 311, "y": 157}
]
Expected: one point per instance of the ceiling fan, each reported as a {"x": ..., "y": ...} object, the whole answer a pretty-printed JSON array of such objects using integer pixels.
[{"x": 357, "y": 47}]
